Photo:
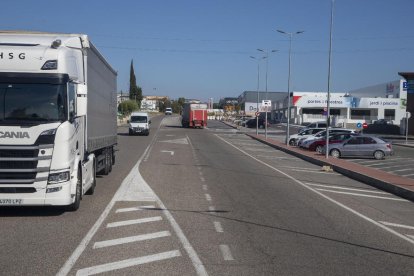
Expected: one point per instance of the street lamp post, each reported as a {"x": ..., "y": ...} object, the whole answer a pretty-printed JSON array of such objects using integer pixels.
[
  {"x": 288, "y": 107},
  {"x": 258, "y": 82},
  {"x": 328, "y": 110},
  {"x": 267, "y": 69}
]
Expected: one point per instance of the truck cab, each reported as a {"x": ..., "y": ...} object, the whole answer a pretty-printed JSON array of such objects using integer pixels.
[{"x": 47, "y": 156}]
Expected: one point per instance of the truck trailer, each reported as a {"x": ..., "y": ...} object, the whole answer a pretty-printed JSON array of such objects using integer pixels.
[
  {"x": 57, "y": 118},
  {"x": 194, "y": 115}
]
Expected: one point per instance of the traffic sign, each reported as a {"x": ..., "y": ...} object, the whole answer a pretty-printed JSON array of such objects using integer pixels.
[
  {"x": 325, "y": 109},
  {"x": 267, "y": 103},
  {"x": 364, "y": 125},
  {"x": 359, "y": 125},
  {"x": 257, "y": 114}
]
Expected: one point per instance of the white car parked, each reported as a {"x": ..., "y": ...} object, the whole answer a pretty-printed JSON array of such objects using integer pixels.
[
  {"x": 306, "y": 142},
  {"x": 293, "y": 139}
]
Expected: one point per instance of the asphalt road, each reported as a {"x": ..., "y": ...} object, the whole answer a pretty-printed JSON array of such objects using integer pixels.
[{"x": 213, "y": 202}]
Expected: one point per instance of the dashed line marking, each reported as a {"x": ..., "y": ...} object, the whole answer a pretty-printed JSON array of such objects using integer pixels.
[
  {"x": 128, "y": 263},
  {"x": 137, "y": 238},
  {"x": 225, "y": 251},
  {"x": 211, "y": 208},
  {"x": 202, "y": 179},
  {"x": 140, "y": 208},
  {"x": 355, "y": 194},
  {"x": 208, "y": 197},
  {"x": 131, "y": 222},
  {"x": 218, "y": 227},
  {"x": 205, "y": 188}
]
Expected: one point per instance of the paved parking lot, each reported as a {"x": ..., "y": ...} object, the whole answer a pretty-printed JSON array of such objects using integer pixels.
[{"x": 401, "y": 163}]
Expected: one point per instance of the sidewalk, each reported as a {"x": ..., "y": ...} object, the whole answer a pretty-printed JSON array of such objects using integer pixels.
[{"x": 400, "y": 186}]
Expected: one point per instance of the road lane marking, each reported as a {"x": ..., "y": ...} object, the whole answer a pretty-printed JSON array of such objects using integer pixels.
[
  {"x": 402, "y": 170},
  {"x": 133, "y": 221},
  {"x": 137, "y": 238},
  {"x": 411, "y": 174},
  {"x": 211, "y": 208},
  {"x": 312, "y": 171},
  {"x": 168, "y": 151},
  {"x": 363, "y": 195},
  {"x": 225, "y": 251},
  {"x": 70, "y": 262},
  {"x": 205, "y": 188},
  {"x": 343, "y": 188},
  {"x": 208, "y": 197},
  {"x": 323, "y": 195},
  {"x": 397, "y": 225},
  {"x": 390, "y": 160},
  {"x": 140, "y": 208},
  {"x": 202, "y": 179},
  {"x": 218, "y": 227},
  {"x": 128, "y": 263},
  {"x": 181, "y": 141}
]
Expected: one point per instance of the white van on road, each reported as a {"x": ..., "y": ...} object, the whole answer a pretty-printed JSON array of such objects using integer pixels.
[{"x": 139, "y": 123}]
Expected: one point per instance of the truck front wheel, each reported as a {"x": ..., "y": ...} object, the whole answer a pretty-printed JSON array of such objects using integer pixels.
[{"x": 78, "y": 194}]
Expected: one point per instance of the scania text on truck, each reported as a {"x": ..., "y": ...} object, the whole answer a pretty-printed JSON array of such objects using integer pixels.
[
  {"x": 57, "y": 118},
  {"x": 194, "y": 115}
]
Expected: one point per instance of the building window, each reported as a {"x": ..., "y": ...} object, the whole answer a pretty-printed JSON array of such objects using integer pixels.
[
  {"x": 389, "y": 114},
  {"x": 360, "y": 114}
]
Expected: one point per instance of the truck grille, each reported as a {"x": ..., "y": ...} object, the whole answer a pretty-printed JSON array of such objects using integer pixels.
[{"x": 18, "y": 164}]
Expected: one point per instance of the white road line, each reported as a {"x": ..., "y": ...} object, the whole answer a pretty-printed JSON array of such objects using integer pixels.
[
  {"x": 402, "y": 170},
  {"x": 395, "y": 233},
  {"x": 140, "y": 208},
  {"x": 225, "y": 251},
  {"x": 211, "y": 208},
  {"x": 137, "y": 238},
  {"x": 133, "y": 221},
  {"x": 200, "y": 173},
  {"x": 369, "y": 161},
  {"x": 311, "y": 171},
  {"x": 205, "y": 188},
  {"x": 411, "y": 174},
  {"x": 202, "y": 179},
  {"x": 208, "y": 197},
  {"x": 397, "y": 225},
  {"x": 70, "y": 262},
  {"x": 411, "y": 236},
  {"x": 218, "y": 227},
  {"x": 343, "y": 188},
  {"x": 395, "y": 166},
  {"x": 363, "y": 195},
  {"x": 301, "y": 168},
  {"x": 127, "y": 263}
]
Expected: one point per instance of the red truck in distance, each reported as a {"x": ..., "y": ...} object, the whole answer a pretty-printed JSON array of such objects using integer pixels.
[{"x": 194, "y": 115}]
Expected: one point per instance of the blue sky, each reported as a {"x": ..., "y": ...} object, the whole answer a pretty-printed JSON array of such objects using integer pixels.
[{"x": 201, "y": 48}]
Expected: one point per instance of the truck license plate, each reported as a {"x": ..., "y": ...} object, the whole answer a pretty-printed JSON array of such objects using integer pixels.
[{"x": 11, "y": 201}]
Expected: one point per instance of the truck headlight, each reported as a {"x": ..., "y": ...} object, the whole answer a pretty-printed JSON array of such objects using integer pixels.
[
  {"x": 50, "y": 65},
  {"x": 55, "y": 178}
]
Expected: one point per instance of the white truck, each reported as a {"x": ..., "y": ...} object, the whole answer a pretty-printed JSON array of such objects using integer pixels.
[{"x": 57, "y": 118}]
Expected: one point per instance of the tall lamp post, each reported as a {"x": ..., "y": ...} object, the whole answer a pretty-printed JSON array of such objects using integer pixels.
[
  {"x": 258, "y": 82},
  {"x": 288, "y": 107},
  {"x": 328, "y": 109},
  {"x": 266, "y": 52}
]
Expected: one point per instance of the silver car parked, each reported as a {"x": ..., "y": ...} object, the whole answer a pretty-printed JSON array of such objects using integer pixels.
[{"x": 361, "y": 146}]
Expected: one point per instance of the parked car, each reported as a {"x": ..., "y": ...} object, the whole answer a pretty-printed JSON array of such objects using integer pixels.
[
  {"x": 305, "y": 143},
  {"x": 361, "y": 146},
  {"x": 293, "y": 139},
  {"x": 252, "y": 123},
  {"x": 314, "y": 125},
  {"x": 383, "y": 122},
  {"x": 168, "y": 111},
  {"x": 317, "y": 145}
]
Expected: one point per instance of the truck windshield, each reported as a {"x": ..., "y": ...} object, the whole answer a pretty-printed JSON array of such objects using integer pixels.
[
  {"x": 32, "y": 103},
  {"x": 138, "y": 119}
]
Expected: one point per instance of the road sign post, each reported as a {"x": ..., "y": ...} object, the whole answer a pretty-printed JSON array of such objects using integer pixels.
[{"x": 267, "y": 104}]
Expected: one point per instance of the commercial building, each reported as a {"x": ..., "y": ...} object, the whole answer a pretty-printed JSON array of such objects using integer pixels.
[
  {"x": 250, "y": 101},
  {"x": 151, "y": 103},
  {"x": 383, "y": 101}
]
